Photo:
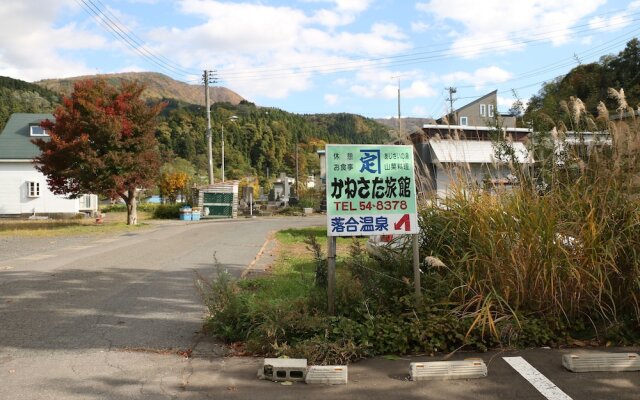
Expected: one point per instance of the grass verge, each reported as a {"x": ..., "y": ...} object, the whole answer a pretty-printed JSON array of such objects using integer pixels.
[{"x": 114, "y": 222}]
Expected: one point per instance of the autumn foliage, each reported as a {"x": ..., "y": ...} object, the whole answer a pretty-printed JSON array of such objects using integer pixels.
[{"x": 102, "y": 141}]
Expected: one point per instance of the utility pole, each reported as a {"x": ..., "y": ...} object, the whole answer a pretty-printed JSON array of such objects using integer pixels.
[
  {"x": 399, "y": 116},
  {"x": 208, "y": 76},
  {"x": 297, "y": 173},
  {"x": 451, "y": 90},
  {"x": 222, "y": 143}
]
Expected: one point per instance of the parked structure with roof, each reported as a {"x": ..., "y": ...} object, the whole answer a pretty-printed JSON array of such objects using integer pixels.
[
  {"x": 24, "y": 189},
  {"x": 455, "y": 162}
]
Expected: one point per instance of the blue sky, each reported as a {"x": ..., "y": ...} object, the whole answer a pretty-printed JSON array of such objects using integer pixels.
[{"x": 322, "y": 56}]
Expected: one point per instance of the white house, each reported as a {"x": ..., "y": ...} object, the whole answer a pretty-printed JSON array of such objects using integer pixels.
[
  {"x": 23, "y": 189},
  {"x": 450, "y": 162}
]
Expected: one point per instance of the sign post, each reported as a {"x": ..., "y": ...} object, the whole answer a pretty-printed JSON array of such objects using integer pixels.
[{"x": 371, "y": 191}]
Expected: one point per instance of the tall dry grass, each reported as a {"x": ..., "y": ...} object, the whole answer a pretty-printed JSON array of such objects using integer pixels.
[{"x": 570, "y": 253}]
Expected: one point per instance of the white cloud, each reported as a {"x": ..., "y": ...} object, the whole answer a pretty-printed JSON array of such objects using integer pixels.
[
  {"x": 383, "y": 84},
  {"x": 353, "y": 5},
  {"x": 331, "y": 99},
  {"x": 331, "y": 18},
  {"x": 31, "y": 54},
  {"x": 505, "y": 103},
  {"x": 479, "y": 78},
  {"x": 132, "y": 68},
  {"x": 419, "y": 111},
  {"x": 613, "y": 23},
  {"x": 363, "y": 91},
  {"x": 482, "y": 26},
  {"x": 419, "y": 27},
  {"x": 283, "y": 45},
  {"x": 418, "y": 89}
]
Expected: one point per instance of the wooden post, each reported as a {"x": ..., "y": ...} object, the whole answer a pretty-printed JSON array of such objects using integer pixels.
[
  {"x": 331, "y": 275},
  {"x": 416, "y": 269}
]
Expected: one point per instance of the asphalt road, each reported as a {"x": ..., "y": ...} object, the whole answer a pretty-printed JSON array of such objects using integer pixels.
[{"x": 111, "y": 317}]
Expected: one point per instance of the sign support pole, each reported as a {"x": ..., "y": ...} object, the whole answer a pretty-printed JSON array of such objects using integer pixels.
[
  {"x": 331, "y": 274},
  {"x": 416, "y": 269}
]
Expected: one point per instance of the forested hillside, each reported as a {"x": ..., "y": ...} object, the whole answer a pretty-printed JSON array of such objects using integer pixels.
[
  {"x": 19, "y": 96},
  {"x": 590, "y": 83},
  {"x": 258, "y": 141},
  {"x": 261, "y": 141}
]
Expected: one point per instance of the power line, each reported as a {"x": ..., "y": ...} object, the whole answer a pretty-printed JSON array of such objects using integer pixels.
[
  {"x": 140, "y": 42},
  {"x": 121, "y": 35},
  {"x": 566, "y": 62},
  {"x": 136, "y": 44},
  {"x": 398, "y": 60}
]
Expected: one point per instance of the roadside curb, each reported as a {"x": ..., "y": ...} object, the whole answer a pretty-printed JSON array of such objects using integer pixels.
[{"x": 259, "y": 265}]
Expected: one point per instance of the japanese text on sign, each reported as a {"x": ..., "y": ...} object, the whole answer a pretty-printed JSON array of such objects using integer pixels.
[{"x": 370, "y": 190}]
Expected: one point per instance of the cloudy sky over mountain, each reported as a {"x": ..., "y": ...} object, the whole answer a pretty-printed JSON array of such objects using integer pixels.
[{"x": 311, "y": 56}]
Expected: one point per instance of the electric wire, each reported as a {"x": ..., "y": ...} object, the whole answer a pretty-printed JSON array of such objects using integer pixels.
[
  {"x": 118, "y": 29},
  {"x": 398, "y": 60},
  {"x": 140, "y": 42},
  {"x": 89, "y": 7},
  {"x": 136, "y": 44}
]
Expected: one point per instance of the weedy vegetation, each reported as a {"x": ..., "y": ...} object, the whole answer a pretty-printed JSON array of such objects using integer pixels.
[{"x": 553, "y": 261}]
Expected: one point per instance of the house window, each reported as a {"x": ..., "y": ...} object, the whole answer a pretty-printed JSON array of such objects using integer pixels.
[
  {"x": 464, "y": 121},
  {"x": 37, "y": 130},
  {"x": 491, "y": 110},
  {"x": 34, "y": 189},
  {"x": 483, "y": 111}
]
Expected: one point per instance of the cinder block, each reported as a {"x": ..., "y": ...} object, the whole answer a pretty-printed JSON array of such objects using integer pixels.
[
  {"x": 327, "y": 374},
  {"x": 283, "y": 369},
  {"x": 595, "y": 361},
  {"x": 466, "y": 369}
]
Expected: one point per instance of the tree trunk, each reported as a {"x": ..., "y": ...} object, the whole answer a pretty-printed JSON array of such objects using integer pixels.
[{"x": 132, "y": 212}]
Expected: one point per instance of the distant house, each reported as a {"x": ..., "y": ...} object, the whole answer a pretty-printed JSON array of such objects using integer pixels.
[
  {"x": 480, "y": 112},
  {"x": 450, "y": 162},
  {"x": 23, "y": 189}
]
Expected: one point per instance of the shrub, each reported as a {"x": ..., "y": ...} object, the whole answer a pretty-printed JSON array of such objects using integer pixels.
[{"x": 167, "y": 211}]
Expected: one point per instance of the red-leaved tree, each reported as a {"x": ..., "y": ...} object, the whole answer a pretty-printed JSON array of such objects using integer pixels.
[{"x": 103, "y": 142}]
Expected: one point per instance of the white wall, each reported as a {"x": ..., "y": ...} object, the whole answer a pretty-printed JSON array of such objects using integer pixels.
[{"x": 14, "y": 189}]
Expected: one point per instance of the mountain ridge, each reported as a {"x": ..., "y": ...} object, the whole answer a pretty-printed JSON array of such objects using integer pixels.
[{"x": 159, "y": 86}]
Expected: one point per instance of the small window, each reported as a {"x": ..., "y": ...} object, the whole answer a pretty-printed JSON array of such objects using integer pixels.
[
  {"x": 37, "y": 130},
  {"x": 464, "y": 121},
  {"x": 34, "y": 189},
  {"x": 483, "y": 111},
  {"x": 491, "y": 110}
]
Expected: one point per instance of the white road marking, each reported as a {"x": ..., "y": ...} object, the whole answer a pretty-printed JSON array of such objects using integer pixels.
[
  {"x": 543, "y": 385},
  {"x": 36, "y": 257}
]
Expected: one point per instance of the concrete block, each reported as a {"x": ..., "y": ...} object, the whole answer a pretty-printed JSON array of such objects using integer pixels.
[
  {"x": 327, "y": 374},
  {"x": 596, "y": 361},
  {"x": 466, "y": 369},
  {"x": 283, "y": 369}
]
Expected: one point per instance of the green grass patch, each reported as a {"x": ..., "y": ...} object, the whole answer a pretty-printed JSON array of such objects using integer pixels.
[{"x": 290, "y": 236}]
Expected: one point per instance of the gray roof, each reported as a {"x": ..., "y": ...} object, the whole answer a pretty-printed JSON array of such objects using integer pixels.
[{"x": 15, "y": 139}]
